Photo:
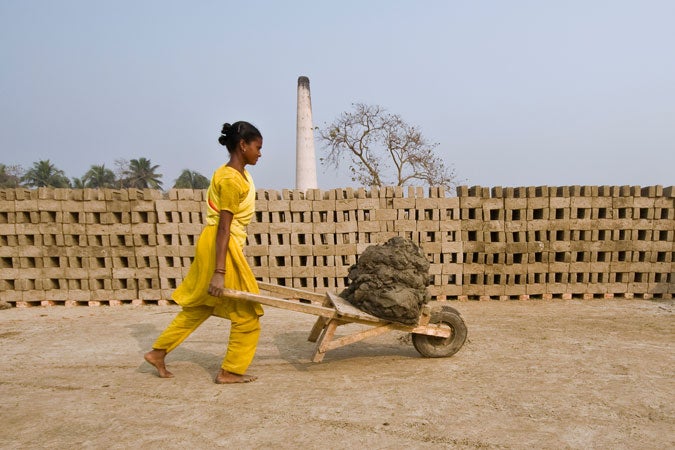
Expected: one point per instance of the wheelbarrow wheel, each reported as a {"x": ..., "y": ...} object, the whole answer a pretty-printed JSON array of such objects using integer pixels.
[{"x": 438, "y": 347}]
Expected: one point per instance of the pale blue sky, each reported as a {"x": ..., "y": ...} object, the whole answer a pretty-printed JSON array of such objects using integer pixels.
[{"x": 516, "y": 92}]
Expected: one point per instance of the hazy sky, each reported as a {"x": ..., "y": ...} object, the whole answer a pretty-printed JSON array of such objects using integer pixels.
[{"x": 516, "y": 93}]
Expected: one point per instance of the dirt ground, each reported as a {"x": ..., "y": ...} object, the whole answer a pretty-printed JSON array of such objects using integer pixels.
[{"x": 533, "y": 374}]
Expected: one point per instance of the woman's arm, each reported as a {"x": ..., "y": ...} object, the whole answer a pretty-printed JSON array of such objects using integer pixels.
[{"x": 222, "y": 241}]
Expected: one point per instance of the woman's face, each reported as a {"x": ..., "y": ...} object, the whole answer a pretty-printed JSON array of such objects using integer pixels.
[{"x": 252, "y": 151}]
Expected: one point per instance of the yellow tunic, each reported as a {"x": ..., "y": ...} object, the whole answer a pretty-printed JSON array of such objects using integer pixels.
[{"x": 228, "y": 191}]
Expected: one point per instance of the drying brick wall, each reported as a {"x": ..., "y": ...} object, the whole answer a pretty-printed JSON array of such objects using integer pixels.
[{"x": 90, "y": 247}]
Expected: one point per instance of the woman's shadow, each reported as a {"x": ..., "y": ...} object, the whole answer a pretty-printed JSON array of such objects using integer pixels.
[{"x": 145, "y": 335}]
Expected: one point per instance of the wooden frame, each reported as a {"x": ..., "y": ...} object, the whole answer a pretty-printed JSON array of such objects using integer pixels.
[{"x": 334, "y": 311}]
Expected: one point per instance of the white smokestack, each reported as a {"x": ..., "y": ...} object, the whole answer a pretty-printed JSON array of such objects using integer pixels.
[{"x": 305, "y": 159}]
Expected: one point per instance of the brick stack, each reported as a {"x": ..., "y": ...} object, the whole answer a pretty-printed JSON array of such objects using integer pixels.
[
  {"x": 564, "y": 242},
  {"x": 180, "y": 218},
  {"x": 92, "y": 247},
  {"x": 78, "y": 247}
]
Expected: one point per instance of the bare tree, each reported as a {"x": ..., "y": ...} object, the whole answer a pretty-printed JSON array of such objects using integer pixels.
[
  {"x": 382, "y": 149},
  {"x": 10, "y": 176},
  {"x": 121, "y": 167}
]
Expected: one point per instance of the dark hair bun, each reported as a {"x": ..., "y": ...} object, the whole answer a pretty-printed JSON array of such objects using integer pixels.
[
  {"x": 234, "y": 133},
  {"x": 227, "y": 132}
]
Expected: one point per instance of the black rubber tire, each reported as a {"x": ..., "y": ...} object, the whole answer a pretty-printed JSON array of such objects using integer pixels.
[{"x": 437, "y": 347}]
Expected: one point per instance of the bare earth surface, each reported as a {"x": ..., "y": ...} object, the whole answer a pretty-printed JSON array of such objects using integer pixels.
[{"x": 533, "y": 374}]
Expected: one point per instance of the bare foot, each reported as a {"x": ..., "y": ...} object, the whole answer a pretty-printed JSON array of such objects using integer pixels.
[
  {"x": 156, "y": 358},
  {"x": 225, "y": 377}
]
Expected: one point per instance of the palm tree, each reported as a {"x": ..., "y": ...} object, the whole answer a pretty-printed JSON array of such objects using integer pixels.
[
  {"x": 190, "y": 179},
  {"x": 141, "y": 175},
  {"x": 45, "y": 174},
  {"x": 77, "y": 183},
  {"x": 10, "y": 176},
  {"x": 98, "y": 177}
]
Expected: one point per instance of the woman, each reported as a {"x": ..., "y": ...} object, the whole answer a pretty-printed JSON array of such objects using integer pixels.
[{"x": 220, "y": 263}]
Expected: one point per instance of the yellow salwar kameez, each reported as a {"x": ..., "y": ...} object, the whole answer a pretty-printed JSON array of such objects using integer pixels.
[{"x": 228, "y": 191}]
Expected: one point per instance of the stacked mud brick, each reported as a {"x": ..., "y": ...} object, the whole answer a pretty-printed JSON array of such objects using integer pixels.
[
  {"x": 565, "y": 242},
  {"x": 91, "y": 247},
  {"x": 94, "y": 247},
  {"x": 310, "y": 241}
]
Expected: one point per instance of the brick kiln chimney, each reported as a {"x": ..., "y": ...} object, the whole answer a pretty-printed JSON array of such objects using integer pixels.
[{"x": 305, "y": 159}]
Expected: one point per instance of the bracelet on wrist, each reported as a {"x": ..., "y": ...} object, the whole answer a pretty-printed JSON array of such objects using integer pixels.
[{"x": 219, "y": 271}]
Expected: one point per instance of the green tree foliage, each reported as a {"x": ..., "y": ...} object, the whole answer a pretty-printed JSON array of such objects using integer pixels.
[
  {"x": 99, "y": 177},
  {"x": 141, "y": 174},
  {"x": 77, "y": 183},
  {"x": 382, "y": 149},
  {"x": 10, "y": 176},
  {"x": 45, "y": 174},
  {"x": 190, "y": 179}
]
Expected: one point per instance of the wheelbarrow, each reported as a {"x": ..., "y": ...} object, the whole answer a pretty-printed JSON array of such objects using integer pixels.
[{"x": 439, "y": 332}]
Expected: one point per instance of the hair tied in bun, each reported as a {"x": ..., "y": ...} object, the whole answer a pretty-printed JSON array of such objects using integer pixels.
[
  {"x": 227, "y": 129},
  {"x": 232, "y": 134}
]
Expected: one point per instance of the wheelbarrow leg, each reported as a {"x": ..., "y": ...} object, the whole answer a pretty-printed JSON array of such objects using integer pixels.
[
  {"x": 320, "y": 323},
  {"x": 318, "y": 327},
  {"x": 326, "y": 336}
]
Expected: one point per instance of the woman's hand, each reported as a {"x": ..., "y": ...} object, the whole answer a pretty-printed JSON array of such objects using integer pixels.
[{"x": 217, "y": 285}]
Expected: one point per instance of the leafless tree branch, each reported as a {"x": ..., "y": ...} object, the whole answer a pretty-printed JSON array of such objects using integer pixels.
[{"x": 381, "y": 148}]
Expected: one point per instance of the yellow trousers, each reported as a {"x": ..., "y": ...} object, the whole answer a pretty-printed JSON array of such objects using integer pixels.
[{"x": 244, "y": 331}]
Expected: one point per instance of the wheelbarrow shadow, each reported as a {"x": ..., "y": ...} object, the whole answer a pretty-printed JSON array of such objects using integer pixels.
[
  {"x": 291, "y": 347},
  {"x": 294, "y": 348}
]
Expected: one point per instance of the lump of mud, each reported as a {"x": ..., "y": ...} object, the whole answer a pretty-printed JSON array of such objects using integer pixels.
[{"x": 389, "y": 281}]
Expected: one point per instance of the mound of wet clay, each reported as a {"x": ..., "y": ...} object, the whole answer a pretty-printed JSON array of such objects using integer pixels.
[{"x": 389, "y": 281}]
